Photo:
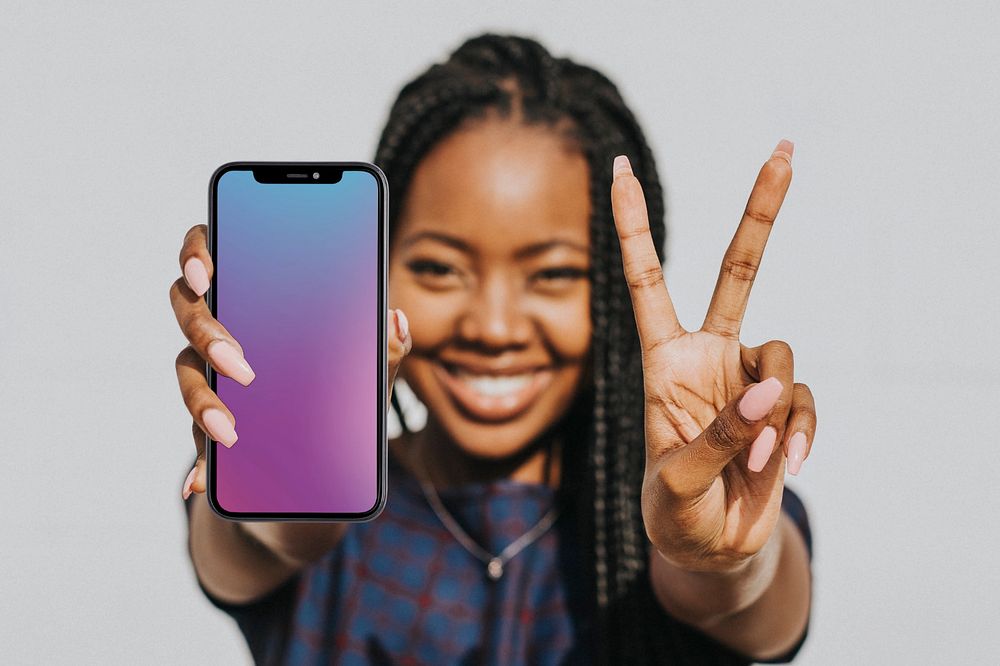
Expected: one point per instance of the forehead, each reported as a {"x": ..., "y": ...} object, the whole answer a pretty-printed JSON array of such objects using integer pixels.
[{"x": 499, "y": 185}]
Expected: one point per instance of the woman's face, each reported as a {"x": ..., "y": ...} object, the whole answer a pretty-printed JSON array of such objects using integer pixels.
[{"x": 489, "y": 263}]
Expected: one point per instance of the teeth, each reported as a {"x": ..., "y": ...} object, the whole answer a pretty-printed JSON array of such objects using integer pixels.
[{"x": 495, "y": 386}]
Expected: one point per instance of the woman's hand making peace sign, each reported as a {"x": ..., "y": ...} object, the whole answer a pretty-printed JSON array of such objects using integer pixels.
[{"x": 720, "y": 417}]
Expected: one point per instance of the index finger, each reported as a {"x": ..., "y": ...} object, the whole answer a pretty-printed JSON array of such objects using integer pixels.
[
  {"x": 654, "y": 311},
  {"x": 742, "y": 258},
  {"x": 196, "y": 262}
]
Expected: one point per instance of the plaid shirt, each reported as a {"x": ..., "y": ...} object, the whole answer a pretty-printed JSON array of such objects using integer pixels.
[{"x": 401, "y": 590}]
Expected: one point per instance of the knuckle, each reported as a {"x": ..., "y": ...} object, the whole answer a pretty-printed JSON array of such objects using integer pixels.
[
  {"x": 725, "y": 434},
  {"x": 192, "y": 324},
  {"x": 804, "y": 402},
  {"x": 181, "y": 295},
  {"x": 196, "y": 396},
  {"x": 194, "y": 244},
  {"x": 779, "y": 359},
  {"x": 758, "y": 214},
  {"x": 781, "y": 347},
  {"x": 186, "y": 357},
  {"x": 174, "y": 291},
  {"x": 740, "y": 266},
  {"x": 642, "y": 278},
  {"x": 639, "y": 226},
  {"x": 195, "y": 232},
  {"x": 805, "y": 410}
]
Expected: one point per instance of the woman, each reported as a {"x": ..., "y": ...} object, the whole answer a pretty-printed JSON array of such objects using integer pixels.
[{"x": 545, "y": 513}]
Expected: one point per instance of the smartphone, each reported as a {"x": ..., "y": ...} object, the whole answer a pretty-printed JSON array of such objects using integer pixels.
[{"x": 300, "y": 281}]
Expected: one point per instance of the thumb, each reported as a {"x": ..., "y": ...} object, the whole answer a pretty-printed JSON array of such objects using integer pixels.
[
  {"x": 399, "y": 345},
  {"x": 736, "y": 427}
]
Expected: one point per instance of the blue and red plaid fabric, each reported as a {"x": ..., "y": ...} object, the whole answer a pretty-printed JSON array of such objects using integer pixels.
[{"x": 401, "y": 590}]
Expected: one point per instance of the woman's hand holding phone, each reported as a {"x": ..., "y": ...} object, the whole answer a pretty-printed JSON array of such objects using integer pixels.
[{"x": 210, "y": 341}]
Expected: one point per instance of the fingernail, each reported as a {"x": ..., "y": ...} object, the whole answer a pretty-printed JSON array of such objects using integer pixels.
[
  {"x": 759, "y": 400},
  {"x": 784, "y": 150},
  {"x": 796, "y": 452},
  {"x": 218, "y": 426},
  {"x": 229, "y": 360},
  {"x": 762, "y": 448},
  {"x": 196, "y": 275},
  {"x": 186, "y": 492},
  {"x": 622, "y": 167},
  {"x": 402, "y": 326}
]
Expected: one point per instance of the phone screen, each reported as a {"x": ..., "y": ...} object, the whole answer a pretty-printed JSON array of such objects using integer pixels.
[{"x": 299, "y": 282}]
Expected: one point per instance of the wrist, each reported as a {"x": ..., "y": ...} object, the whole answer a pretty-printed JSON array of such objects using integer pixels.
[
  {"x": 718, "y": 565},
  {"x": 297, "y": 544},
  {"x": 705, "y": 592}
]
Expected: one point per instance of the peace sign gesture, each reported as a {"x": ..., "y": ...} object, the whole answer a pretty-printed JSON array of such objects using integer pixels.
[{"x": 720, "y": 417}]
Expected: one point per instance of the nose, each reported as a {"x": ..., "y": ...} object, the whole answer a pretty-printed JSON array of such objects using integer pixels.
[{"x": 495, "y": 315}]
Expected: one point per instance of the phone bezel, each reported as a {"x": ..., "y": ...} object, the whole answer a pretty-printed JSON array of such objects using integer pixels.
[{"x": 211, "y": 297}]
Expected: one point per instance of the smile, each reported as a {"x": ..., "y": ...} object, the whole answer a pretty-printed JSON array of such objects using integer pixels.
[{"x": 489, "y": 397}]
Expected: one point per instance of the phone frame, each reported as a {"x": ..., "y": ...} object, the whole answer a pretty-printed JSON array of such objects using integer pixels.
[{"x": 211, "y": 297}]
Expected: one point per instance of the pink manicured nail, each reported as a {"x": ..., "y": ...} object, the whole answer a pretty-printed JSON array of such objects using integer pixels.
[
  {"x": 759, "y": 400},
  {"x": 196, "y": 275},
  {"x": 762, "y": 448},
  {"x": 796, "y": 452},
  {"x": 784, "y": 150},
  {"x": 622, "y": 167},
  {"x": 219, "y": 427},
  {"x": 186, "y": 492},
  {"x": 229, "y": 360},
  {"x": 403, "y": 329}
]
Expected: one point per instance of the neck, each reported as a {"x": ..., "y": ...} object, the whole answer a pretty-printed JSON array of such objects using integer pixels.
[{"x": 445, "y": 463}]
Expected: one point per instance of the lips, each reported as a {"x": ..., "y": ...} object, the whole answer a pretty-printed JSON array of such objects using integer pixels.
[{"x": 493, "y": 397}]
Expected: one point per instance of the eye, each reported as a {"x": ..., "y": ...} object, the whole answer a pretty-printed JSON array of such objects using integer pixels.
[
  {"x": 564, "y": 273},
  {"x": 434, "y": 268}
]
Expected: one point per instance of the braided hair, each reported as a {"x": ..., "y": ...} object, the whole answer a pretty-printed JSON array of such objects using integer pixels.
[{"x": 603, "y": 459}]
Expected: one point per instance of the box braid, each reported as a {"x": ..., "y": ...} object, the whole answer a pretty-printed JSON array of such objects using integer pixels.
[{"x": 603, "y": 460}]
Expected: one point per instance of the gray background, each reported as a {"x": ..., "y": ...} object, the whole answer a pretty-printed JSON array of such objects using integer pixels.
[{"x": 881, "y": 273}]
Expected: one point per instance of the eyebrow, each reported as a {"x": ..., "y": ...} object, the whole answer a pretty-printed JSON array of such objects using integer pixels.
[{"x": 527, "y": 251}]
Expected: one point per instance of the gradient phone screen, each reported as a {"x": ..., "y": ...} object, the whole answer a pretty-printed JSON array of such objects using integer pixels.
[{"x": 297, "y": 283}]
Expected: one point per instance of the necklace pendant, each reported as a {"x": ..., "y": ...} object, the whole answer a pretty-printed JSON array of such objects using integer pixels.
[{"x": 495, "y": 568}]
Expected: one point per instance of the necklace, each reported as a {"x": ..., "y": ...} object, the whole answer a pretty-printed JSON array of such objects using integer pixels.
[{"x": 494, "y": 563}]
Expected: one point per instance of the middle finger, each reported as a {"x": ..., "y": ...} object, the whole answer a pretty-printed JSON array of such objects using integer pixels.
[
  {"x": 207, "y": 409},
  {"x": 742, "y": 258},
  {"x": 207, "y": 335}
]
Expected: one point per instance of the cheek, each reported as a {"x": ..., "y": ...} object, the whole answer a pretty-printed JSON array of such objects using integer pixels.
[
  {"x": 567, "y": 327},
  {"x": 432, "y": 316}
]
